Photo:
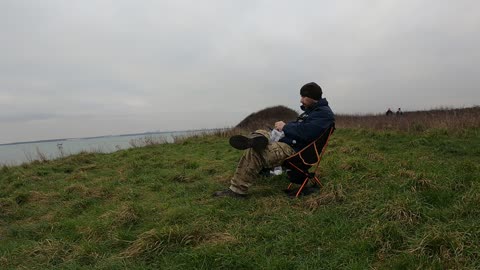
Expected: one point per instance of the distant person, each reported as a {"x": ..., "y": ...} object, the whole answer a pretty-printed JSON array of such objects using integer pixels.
[
  {"x": 389, "y": 112},
  {"x": 262, "y": 152},
  {"x": 399, "y": 112}
]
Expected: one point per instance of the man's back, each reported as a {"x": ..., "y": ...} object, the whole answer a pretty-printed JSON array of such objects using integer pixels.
[{"x": 309, "y": 125}]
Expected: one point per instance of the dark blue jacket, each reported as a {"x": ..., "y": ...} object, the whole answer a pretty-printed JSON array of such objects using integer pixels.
[{"x": 309, "y": 125}]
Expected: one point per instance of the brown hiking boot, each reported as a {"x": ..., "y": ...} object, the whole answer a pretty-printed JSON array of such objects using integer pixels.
[
  {"x": 256, "y": 141},
  {"x": 229, "y": 193}
]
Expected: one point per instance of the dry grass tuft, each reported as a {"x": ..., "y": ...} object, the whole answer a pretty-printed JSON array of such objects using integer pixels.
[
  {"x": 349, "y": 149},
  {"x": 219, "y": 238},
  {"x": 51, "y": 252},
  {"x": 271, "y": 205},
  {"x": 353, "y": 165},
  {"x": 387, "y": 237},
  {"x": 4, "y": 262},
  {"x": 375, "y": 157},
  {"x": 81, "y": 190},
  {"x": 329, "y": 194},
  {"x": 468, "y": 205},
  {"x": 180, "y": 178},
  {"x": 401, "y": 212},
  {"x": 124, "y": 216},
  {"x": 85, "y": 168},
  {"x": 444, "y": 245},
  {"x": 77, "y": 189},
  {"x": 407, "y": 174},
  {"x": 149, "y": 242},
  {"x": 421, "y": 184},
  {"x": 153, "y": 243},
  {"x": 416, "y": 182},
  {"x": 92, "y": 234},
  {"x": 40, "y": 197},
  {"x": 7, "y": 207}
]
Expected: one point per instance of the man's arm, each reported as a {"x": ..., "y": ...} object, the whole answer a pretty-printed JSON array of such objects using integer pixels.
[{"x": 310, "y": 129}]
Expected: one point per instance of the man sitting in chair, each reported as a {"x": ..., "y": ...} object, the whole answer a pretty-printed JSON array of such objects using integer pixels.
[{"x": 260, "y": 153}]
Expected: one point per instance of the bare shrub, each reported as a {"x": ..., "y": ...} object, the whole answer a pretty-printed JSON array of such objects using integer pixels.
[
  {"x": 40, "y": 155},
  {"x": 150, "y": 140},
  {"x": 4, "y": 168},
  {"x": 147, "y": 141},
  {"x": 226, "y": 132},
  {"x": 133, "y": 143},
  {"x": 60, "y": 150}
]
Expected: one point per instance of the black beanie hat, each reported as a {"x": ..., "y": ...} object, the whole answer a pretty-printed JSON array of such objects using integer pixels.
[{"x": 311, "y": 90}]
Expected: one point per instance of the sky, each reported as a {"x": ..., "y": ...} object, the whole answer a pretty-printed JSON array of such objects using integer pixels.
[{"x": 81, "y": 68}]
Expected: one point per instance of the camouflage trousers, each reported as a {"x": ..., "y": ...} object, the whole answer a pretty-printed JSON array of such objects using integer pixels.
[{"x": 252, "y": 162}]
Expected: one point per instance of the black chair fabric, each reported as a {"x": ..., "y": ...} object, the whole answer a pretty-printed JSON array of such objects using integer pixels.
[{"x": 306, "y": 158}]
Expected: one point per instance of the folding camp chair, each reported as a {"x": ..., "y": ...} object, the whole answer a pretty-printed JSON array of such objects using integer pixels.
[{"x": 298, "y": 164}]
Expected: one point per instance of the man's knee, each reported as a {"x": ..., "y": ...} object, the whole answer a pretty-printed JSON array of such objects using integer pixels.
[{"x": 263, "y": 132}]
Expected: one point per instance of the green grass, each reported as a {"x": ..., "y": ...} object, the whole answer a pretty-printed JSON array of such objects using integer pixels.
[{"x": 390, "y": 200}]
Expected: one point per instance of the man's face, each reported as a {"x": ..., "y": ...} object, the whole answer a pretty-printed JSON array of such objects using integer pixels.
[{"x": 307, "y": 102}]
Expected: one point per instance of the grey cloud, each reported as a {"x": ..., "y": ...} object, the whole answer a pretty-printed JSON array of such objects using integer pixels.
[
  {"x": 139, "y": 60},
  {"x": 14, "y": 118}
]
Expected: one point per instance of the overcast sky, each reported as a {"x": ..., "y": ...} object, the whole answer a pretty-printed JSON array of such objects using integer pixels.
[{"x": 98, "y": 67}]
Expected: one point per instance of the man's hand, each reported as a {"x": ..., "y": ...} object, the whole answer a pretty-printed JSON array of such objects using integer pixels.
[{"x": 279, "y": 125}]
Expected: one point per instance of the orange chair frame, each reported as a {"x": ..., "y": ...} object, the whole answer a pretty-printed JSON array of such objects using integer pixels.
[{"x": 308, "y": 161}]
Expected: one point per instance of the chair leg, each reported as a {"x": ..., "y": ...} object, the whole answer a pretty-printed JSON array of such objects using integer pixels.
[
  {"x": 301, "y": 187},
  {"x": 318, "y": 181},
  {"x": 289, "y": 186}
]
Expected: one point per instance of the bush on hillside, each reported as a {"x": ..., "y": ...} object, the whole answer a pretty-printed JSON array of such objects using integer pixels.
[{"x": 267, "y": 117}]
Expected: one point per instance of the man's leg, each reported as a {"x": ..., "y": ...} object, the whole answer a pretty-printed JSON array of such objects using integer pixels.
[{"x": 253, "y": 161}]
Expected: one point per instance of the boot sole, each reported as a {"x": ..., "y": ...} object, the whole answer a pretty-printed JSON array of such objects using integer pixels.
[{"x": 241, "y": 142}]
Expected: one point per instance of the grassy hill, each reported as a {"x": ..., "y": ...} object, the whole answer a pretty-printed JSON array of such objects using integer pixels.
[{"x": 391, "y": 199}]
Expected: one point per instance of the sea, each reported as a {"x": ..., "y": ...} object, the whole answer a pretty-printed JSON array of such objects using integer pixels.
[{"x": 26, "y": 152}]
